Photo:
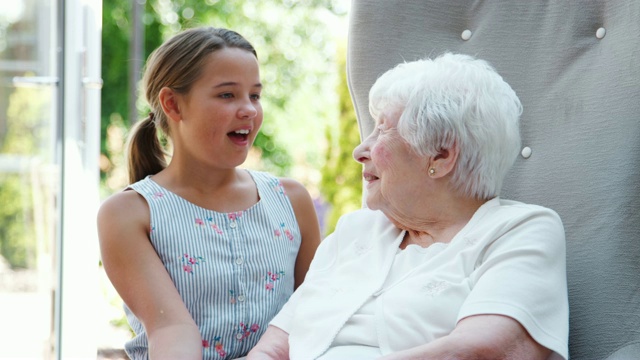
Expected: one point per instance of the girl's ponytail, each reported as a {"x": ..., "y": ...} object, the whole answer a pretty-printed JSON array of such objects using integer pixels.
[{"x": 146, "y": 154}]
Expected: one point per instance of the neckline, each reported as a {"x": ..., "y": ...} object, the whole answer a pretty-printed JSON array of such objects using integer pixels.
[
  {"x": 250, "y": 208},
  {"x": 480, "y": 212}
]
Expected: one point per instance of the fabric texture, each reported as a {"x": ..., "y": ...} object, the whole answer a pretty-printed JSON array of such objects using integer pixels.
[
  {"x": 576, "y": 68},
  {"x": 508, "y": 260},
  {"x": 234, "y": 271}
]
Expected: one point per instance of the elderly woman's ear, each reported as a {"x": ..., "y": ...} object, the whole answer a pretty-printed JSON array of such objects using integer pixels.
[{"x": 443, "y": 162}]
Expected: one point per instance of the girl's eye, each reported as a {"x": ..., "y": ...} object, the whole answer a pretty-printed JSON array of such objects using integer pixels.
[
  {"x": 226, "y": 95},
  {"x": 255, "y": 97}
]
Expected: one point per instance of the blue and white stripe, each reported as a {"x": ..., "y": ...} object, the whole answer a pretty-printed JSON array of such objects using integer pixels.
[{"x": 220, "y": 264}]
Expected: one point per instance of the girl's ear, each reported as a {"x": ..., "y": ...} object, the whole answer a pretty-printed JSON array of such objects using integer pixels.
[
  {"x": 443, "y": 163},
  {"x": 170, "y": 105}
]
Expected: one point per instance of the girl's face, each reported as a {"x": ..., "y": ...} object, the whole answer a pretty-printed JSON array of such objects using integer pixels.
[
  {"x": 392, "y": 170},
  {"x": 221, "y": 114}
]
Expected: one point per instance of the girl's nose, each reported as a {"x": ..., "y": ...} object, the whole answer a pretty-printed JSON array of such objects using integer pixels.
[{"x": 248, "y": 110}]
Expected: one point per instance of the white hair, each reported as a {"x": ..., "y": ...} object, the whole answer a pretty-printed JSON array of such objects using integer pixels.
[{"x": 455, "y": 99}]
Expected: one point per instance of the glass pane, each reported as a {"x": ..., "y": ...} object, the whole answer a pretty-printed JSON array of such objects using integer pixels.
[{"x": 28, "y": 179}]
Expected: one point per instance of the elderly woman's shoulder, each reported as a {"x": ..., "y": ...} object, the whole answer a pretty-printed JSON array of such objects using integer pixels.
[{"x": 511, "y": 213}]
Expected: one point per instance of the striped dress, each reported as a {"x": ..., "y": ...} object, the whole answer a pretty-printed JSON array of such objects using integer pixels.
[{"x": 234, "y": 271}]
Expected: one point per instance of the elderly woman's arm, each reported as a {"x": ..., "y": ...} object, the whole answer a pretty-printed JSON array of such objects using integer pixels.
[
  {"x": 480, "y": 337},
  {"x": 273, "y": 345}
]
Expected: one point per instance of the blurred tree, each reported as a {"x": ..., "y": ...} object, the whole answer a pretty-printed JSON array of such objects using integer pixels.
[
  {"x": 25, "y": 141},
  {"x": 341, "y": 175}
]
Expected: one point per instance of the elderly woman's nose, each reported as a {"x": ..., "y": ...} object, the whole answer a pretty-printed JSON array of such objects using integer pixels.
[{"x": 361, "y": 152}]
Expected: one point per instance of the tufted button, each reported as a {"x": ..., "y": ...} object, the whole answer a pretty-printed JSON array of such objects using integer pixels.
[
  {"x": 239, "y": 260},
  {"x": 239, "y": 336},
  {"x": 601, "y": 32},
  {"x": 526, "y": 152},
  {"x": 241, "y": 298},
  {"x": 233, "y": 225},
  {"x": 466, "y": 35}
]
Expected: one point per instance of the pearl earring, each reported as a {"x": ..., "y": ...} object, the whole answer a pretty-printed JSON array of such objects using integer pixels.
[{"x": 432, "y": 171}]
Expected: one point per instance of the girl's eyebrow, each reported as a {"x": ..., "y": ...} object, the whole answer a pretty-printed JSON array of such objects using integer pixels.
[{"x": 231, "y": 83}]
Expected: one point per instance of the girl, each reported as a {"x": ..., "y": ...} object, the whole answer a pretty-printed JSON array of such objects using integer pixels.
[{"x": 203, "y": 253}]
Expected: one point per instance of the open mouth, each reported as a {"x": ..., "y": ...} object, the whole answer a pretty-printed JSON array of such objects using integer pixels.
[
  {"x": 239, "y": 135},
  {"x": 369, "y": 177}
]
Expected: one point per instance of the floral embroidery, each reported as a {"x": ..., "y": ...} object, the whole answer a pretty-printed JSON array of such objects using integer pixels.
[
  {"x": 232, "y": 297},
  {"x": 277, "y": 233},
  {"x": 216, "y": 228},
  {"x": 278, "y": 187},
  {"x": 271, "y": 279},
  {"x": 235, "y": 215},
  {"x": 246, "y": 331},
  {"x": 436, "y": 287},
  {"x": 189, "y": 261},
  {"x": 219, "y": 347},
  {"x": 471, "y": 241},
  {"x": 157, "y": 195},
  {"x": 199, "y": 222}
]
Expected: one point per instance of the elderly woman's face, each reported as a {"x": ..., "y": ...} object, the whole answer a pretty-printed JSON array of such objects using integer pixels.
[{"x": 392, "y": 171}]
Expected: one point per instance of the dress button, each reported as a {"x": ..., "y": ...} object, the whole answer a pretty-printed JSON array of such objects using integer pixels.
[
  {"x": 601, "y": 32},
  {"x": 526, "y": 152},
  {"x": 239, "y": 336},
  {"x": 233, "y": 225},
  {"x": 240, "y": 298},
  {"x": 466, "y": 35},
  {"x": 239, "y": 260}
]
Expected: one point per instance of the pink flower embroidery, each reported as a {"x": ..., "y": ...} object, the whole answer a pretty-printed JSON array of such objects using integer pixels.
[
  {"x": 205, "y": 344},
  {"x": 216, "y": 228},
  {"x": 288, "y": 234},
  {"x": 235, "y": 215},
  {"x": 278, "y": 187},
  {"x": 189, "y": 261},
  {"x": 199, "y": 222},
  {"x": 246, "y": 331},
  {"x": 157, "y": 195},
  {"x": 272, "y": 278},
  {"x": 218, "y": 346}
]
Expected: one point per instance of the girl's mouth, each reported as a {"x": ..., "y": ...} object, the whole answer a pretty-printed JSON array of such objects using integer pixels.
[{"x": 239, "y": 136}]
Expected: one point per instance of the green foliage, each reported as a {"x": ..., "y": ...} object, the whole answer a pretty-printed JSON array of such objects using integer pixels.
[
  {"x": 25, "y": 141},
  {"x": 17, "y": 234},
  {"x": 342, "y": 176}
]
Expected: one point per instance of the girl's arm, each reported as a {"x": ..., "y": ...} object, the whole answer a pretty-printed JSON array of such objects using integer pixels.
[
  {"x": 309, "y": 228},
  {"x": 141, "y": 280},
  {"x": 480, "y": 337}
]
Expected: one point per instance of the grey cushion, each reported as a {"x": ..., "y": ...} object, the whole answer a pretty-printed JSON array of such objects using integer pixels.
[{"x": 581, "y": 99}]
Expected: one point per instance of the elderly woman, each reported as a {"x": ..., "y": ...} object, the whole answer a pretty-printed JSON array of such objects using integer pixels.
[{"x": 438, "y": 266}]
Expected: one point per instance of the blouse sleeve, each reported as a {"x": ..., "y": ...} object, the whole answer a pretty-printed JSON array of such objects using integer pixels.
[{"x": 522, "y": 275}]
